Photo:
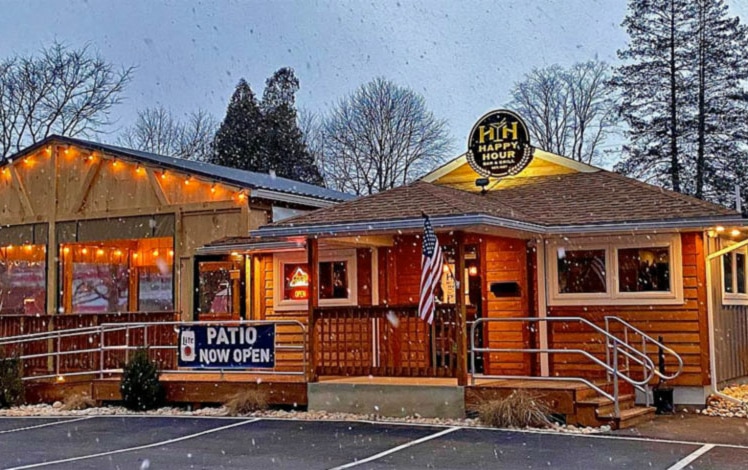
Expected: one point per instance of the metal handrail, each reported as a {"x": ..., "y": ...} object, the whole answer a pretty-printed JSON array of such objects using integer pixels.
[
  {"x": 613, "y": 342},
  {"x": 102, "y": 330},
  {"x": 627, "y": 350},
  {"x": 646, "y": 338}
]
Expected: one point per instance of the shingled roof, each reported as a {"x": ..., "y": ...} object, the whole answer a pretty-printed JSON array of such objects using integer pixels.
[
  {"x": 542, "y": 203},
  {"x": 240, "y": 178}
]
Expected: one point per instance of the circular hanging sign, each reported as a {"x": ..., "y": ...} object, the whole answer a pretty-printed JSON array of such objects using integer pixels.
[{"x": 499, "y": 145}]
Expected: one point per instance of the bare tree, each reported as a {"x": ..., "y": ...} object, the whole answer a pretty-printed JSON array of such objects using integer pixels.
[
  {"x": 157, "y": 130},
  {"x": 380, "y": 137},
  {"x": 59, "y": 91},
  {"x": 571, "y": 111}
]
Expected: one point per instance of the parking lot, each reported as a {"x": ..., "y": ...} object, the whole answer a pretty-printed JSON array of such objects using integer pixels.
[{"x": 118, "y": 442}]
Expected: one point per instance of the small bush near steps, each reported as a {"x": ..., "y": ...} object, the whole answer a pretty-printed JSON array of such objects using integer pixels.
[
  {"x": 11, "y": 383},
  {"x": 140, "y": 387},
  {"x": 518, "y": 410},
  {"x": 246, "y": 402}
]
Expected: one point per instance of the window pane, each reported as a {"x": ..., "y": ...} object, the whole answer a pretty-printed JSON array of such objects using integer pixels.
[
  {"x": 740, "y": 271},
  {"x": 295, "y": 282},
  {"x": 99, "y": 287},
  {"x": 22, "y": 279},
  {"x": 644, "y": 269},
  {"x": 214, "y": 289},
  {"x": 727, "y": 272},
  {"x": 333, "y": 280},
  {"x": 581, "y": 271},
  {"x": 155, "y": 289}
]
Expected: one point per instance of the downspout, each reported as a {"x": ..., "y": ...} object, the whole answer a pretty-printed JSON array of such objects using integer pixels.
[{"x": 710, "y": 321}]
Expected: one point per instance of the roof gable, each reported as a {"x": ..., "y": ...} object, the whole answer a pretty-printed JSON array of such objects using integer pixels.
[{"x": 459, "y": 171}]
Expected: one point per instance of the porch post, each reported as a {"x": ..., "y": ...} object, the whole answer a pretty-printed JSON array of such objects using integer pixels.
[
  {"x": 312, "y": 252},
  {"x": 461, "y": 327}
]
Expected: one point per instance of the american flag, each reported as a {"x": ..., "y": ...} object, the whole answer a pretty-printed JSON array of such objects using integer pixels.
[{"x": 431, "y": 270}]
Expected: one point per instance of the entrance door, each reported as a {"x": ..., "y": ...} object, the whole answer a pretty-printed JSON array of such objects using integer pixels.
[{"x": 220, "y": 288}]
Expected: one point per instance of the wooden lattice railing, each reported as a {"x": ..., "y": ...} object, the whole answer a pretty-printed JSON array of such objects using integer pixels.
[{"x": 384, "y": 341}]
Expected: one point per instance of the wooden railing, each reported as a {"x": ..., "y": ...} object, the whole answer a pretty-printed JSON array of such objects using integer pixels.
[
  {"x": 384, "y": 341},
  {"x": 68, "y": 346}
]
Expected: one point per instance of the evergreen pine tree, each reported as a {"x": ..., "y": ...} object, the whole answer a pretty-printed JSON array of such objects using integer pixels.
[
  {"x": 654, "y": 89},
  {"x": 283, "y": 143},
  {"x": 721, "y": 117},
  {"x": 682, "y": 97},
  {"x": 238, "y": 142}
]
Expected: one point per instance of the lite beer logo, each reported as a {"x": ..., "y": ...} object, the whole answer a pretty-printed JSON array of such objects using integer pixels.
[
  {"x": 187, "y": 346},
  {"x": 499, "y": 145}
]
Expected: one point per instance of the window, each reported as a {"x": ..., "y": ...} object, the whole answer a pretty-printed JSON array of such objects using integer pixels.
[
  {"x": 735, "y": 289},
  {"x": 624, "y": 270},
  {"x": 23, "y": 274},
  {"x": 337, "y": 279}
]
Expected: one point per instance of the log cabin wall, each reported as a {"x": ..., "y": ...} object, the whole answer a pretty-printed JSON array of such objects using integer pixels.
[
  {"x": 59, "y": 184},
  {"x": 263, "y": 308},
  {"x": 683, "y": 327},
  {"x": 505, "y": 260}
]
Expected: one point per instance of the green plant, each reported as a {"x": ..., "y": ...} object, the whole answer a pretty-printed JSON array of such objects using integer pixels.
[
  {"x": 11, "y": 383},
  {"x": 245, "y": 402},
  {"x": 140, "y": 387},
  {"x": 520, "y": 409}
]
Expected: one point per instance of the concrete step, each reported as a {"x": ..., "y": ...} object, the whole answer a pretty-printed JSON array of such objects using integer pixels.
[{"x": 432, "y": 401}]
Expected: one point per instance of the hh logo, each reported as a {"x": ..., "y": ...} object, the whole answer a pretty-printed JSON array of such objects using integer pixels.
[{"x": 187, "y": 346}]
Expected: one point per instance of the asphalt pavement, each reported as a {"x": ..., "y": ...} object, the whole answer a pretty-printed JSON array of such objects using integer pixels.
[{"x": 141, "y": 443}]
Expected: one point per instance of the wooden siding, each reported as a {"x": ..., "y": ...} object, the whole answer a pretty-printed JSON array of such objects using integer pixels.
[
  {"x": 683, "y": 327},
  {"x": 505, "y": 260},
  {"x": 67, "y": 183},
  {"x": 263, "y": 292}
]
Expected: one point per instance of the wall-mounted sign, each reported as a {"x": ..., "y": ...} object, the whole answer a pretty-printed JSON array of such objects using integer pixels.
[
  {"x": 499, "y": 145},
  {"x": 299, "y": 285},
  {"x": 224, "y": 347}
]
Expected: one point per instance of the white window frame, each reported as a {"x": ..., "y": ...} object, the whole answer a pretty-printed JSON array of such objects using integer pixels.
[
  {"x": 734, "y": 298},
  {"x": 613, "y": 296},
  {"x": 325, "y": 256}
]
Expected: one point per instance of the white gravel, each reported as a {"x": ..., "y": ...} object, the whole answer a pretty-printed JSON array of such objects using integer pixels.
[{"x": 56, "y": 410}]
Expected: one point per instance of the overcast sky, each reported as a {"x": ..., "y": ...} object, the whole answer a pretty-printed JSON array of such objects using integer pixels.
[{"x": 462, "y": 56}]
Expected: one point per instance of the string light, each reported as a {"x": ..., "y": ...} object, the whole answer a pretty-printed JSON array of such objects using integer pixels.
[
  {"x": 139, "y": 170},
  {"x": 84, "y": 251},
  {"x": 171, "y": 252},
  {"x": 735, "y": 232},
  {"x": 187, "y": 181},
  {"x": 163, "y": 175},
  {"x": 155, "y": 252},
  {"x": 66, "y": 250},
  {"x": 115, "y": 163},
  {"x": 100, "y": 252},
  {"x": 213, "y": 188}
]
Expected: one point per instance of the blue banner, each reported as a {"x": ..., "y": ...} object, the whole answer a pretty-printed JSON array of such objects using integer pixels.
[{"x": 225, "y": 347}]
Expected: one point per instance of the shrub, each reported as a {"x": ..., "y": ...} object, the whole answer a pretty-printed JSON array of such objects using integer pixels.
[
  {"x": 519, "y": 410},
  {"x": 246, "y": 402},
  {"x": 140, "y": 387},
  {"x": 77, "y": 401},
  {"x": 11, "y": 383}
]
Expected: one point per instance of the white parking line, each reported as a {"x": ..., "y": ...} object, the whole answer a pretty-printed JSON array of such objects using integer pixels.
[
  {"x": 54, "y": 423},
  {"x": 130, "y": 449},
  {"x": 397, "y": 449},
  {"x": 681, "y": 464}
]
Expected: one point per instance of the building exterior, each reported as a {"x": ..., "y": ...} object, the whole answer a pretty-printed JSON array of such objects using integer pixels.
[
  {"x": 560, "y": 239},
  {"x": 88, "y": 228}
]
